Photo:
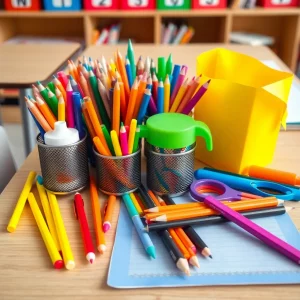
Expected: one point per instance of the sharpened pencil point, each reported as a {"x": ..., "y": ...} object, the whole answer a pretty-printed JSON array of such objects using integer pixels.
[
  {"x": 210, "y": 256},
  {"x": 91, "y": 261},
  {"x": 106, "y": 226}
]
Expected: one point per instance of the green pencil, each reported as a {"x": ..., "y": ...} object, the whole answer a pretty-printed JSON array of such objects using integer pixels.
[
  {"x": 152, "y": 67},
  {"x": 161, "y": 65},
  {"x": 50, "y": 102},
  {"x": 108, "y": 139},
  {"x": 99, "y": 101},
  {"x": 51, "y": 87},
  {"x": 169, "y": 65},
  {"x": 53, "y": 102},
  {"x": 136, "y": 139},
  {"x": 130, "y": 56}
]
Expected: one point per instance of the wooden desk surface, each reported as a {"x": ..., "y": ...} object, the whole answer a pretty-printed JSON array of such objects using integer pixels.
[
  {"x": 25, "y": 268},
  {"x": 21, "y": 65}
]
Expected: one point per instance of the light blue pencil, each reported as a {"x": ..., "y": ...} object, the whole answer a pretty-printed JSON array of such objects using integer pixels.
[
  {"x": 129, "y": 73},
  {"x": 136, "y": 220}
]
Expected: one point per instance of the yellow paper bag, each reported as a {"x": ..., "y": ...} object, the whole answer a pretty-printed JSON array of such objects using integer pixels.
[{"x": 244, "y": 106}]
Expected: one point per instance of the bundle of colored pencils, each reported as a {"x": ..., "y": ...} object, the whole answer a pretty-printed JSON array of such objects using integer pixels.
[{"x": 111, "y": 95}]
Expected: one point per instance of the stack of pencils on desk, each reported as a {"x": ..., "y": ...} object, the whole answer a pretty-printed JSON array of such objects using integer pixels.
[{"x": 112, "y": 94}]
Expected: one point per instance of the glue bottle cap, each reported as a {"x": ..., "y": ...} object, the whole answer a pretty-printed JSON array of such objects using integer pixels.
[{"x": 61, "y": 135}]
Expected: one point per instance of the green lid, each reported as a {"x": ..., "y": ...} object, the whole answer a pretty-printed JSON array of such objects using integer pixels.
[{"x": 173, "y": 131}]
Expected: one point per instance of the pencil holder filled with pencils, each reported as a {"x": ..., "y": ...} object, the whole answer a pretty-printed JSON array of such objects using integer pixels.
[
  {"x": 170, "y": 143},
  {"x": 64, "y": 168}
]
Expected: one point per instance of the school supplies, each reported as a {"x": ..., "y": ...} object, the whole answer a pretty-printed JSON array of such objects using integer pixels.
[
  {"x": 274, "y": 175},
  {"x": 46, "y": 235},
  {"x": 108, "y": 212},
  {"x": 100, "y": 237},
  {"x": 223, "y": 111},
  {"x": 61, "y": 232},
  {"x": 47, "y": 211},
  {"x": 14, "y": 220},
  {"x": 84, "y": 227},
  {"x": 255, "y": 186},
  {"x": 252, "y": 262},
  {"x": 251, "y": 227},
  {"x": 144, "y": 236}
]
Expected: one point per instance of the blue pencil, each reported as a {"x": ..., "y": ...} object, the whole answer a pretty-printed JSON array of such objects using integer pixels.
[
  {"x": 129, "y": 72},
  {"x": 160, "y": 97},
  {"x": 144, "y": 106},
  {"x": 78, "y": 114},
  {"x": 136, "y": 220},
  {"x": 40, "y": 128},
  {"x": 175, "y": 75}
]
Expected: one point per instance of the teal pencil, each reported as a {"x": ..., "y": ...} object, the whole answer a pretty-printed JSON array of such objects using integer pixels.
[
  {"x": 136, "y": 139},
  {"x": 169, "y": 65},
  {"x": 130, "y": 56}
]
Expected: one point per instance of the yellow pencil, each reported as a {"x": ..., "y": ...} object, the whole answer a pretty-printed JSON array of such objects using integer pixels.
[
  {"x": 115, "y": 142},
  {"x": 14, "y": 220},
  {"x": 61, "y": 232},
  {"x": 47, "y": 211},
  {"x": 179, "y": 96},
  {"x": 61, "y": 109},
  {"x": 167, "y": 92},
  {"x": 132, "y": 130},
  {"x": 46, "y": 235},
  {"x": 136, "y": 204}
]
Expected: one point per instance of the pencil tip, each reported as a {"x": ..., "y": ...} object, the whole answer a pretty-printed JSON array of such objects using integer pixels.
[
  {"x": 91, "y": 261},
  {"x": 106, "y": 227},
  {"x": 210, "y": 256}
]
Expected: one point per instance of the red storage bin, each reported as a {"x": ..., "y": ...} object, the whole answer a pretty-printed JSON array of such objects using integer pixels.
[
  {"x": 22, "y": 5},
  {"x": 137, "y": 4},
  {"x": 278, "y": 3},
  {"x": 101, "y": 4},
  {"x": 209, "y": 4}
]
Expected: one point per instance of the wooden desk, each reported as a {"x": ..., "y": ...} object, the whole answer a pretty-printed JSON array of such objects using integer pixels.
[
  {"x": 25, "y": 268},
  {"x": 22, "y": 65}
]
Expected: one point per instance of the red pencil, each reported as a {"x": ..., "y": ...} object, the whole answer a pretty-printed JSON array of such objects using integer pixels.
[{"x": 84, "y": 227}]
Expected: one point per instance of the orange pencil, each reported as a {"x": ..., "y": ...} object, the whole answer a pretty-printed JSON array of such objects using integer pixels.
[
  {"x": 153, "y": 197},
  {"x": 122, "y": 70},
  {"x": 38, "y": 115},
  {"x": 111, "y": 202},
  {"x": 100, "y": 147},
  {"x": 116, "y": 109},
  {"x": 71, "y": 70},
  {"x": 179, "y": 243},
  {"x": 237, "y": 206},
  {"x": 176, "y": 207},
  {"x": 132, "y": 102},
  {"x": 179, "y": 96},
  {"x": 140, "y": 94},
  {"x": 123, "y": 104},
  {"x": 35, "y": 91},
  {"x": 58, "y": 84},
  {"x": 185, "y": 239},
  {"x": 88, "y": 122},
  {"x": 140, "y": 202},
  {"x": 100, "y": 237},
  {"x": 75, "y": 71},
  {"x": 189, "y": 94},
  {"x": 45, "y": 110},
  {"x": 95, "y": 122}
]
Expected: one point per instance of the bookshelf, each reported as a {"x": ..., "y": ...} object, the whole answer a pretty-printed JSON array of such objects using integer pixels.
[{"x": 212, "y": 26}]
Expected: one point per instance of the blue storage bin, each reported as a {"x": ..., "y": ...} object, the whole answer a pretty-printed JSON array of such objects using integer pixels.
[{"x": 62, "y": 5}]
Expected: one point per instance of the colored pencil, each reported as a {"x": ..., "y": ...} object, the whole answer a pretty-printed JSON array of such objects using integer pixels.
[
  {"x": 136, "y": 139},
  {"x": 123, "y": 140},
  {"x": 115, "y": 142},
  {"x": 140, "y": 94},
  {"x": 108, "y": 139},
  {"x": 146, "y": 197},
  {"x": 254, "y": 229},
  {"x": 144, "y": 106},
  {"x": 136, "y": 204},
  {"x": 62, "y": 77},
  {"x": 76, "y": 87},
  {"x": 104, "y": 96},
  {"x": 123, "y": 103},
  {"x": 167, "y": 88},
  {"x": 175, "y": 75},
  {"x": 78, "y": 114},
  {"x": 169, "y": 65},
  {"x": 53, "y": 103},
  {"x": 111, "y": 202},
  {"x": 131, "y": 103},
  {"x": 147, "y": 65},
  {"x": 88, "y": 121},
  {"x": 178, "y": 84},
  {"x": 128, "y": 72},
  {"x": 47, "y": 113},
  {"x": 140, "y": 67},
  {"x": 198, "y": 95},
  {"x": 179, "y": 96},
  {"x": 100, "y": 147},
  {"x": 70, "y": 107},
  {"x": 251, "y": 214},
  {"x": 130, "y": 56},
  {"x": 116, "y": 109},
  {"x": 61, "y": 109},
  {"x": 161, "y": 68}
]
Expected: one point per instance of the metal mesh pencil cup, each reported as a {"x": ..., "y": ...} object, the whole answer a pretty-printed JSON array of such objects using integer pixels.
[
  {"x": 118, "y": 175},
  {"x": 64, "y": 168},
  {"x": 170, "y": 173}
]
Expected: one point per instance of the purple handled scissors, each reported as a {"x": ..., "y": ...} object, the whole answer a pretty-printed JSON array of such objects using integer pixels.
[{"x": 199, "y": 189}]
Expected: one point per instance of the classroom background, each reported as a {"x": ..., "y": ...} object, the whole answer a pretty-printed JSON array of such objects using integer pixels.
[{"x": 275, "y": 24}]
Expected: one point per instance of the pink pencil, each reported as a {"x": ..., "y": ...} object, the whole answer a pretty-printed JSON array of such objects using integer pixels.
[
  {"x": 69, "y": 106},
  {"x": 190, "y": 105},
  {"x": 123, "y": 140},
  {"x": 127, "y": 131},
  {"x": 179, "y": 83},
  {"x": 259, "y": 232}
]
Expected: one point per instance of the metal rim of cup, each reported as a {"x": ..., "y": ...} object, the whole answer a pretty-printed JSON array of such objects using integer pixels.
[
  {"x": 64, "y": 146},
  {"x": 172, "y": 154},
  {"x": 116, "y": 157},
  {"x": 118, "y": 194}
]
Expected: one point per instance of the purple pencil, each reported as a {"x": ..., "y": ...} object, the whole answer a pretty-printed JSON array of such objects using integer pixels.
[
  {"x": 178, "y": 84},
  {"x": 69, "y": 106},
  {"x": 191, "y": 104},
  {"x": 152, "y": 106},
  {"x": 259, "y": 232}
]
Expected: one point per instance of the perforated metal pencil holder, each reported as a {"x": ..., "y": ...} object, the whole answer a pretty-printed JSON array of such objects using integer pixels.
[
  {"x": 118, "y": 175},
  {"x": 170, "y": 173},
  {"x": 64, "y": 168}
]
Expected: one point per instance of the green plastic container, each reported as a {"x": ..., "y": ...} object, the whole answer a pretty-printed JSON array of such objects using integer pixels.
[{"x": 173, "y": 4}]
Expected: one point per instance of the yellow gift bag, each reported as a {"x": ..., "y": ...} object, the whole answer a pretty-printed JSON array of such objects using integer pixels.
[{"x": 244, "y": 106}]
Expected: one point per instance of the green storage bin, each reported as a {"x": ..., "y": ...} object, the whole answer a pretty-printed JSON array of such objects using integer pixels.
[{"x": 173, "y": 4}]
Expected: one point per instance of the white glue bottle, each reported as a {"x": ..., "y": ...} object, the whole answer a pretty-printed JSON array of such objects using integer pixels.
[{"x": 61, "y": 135}]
